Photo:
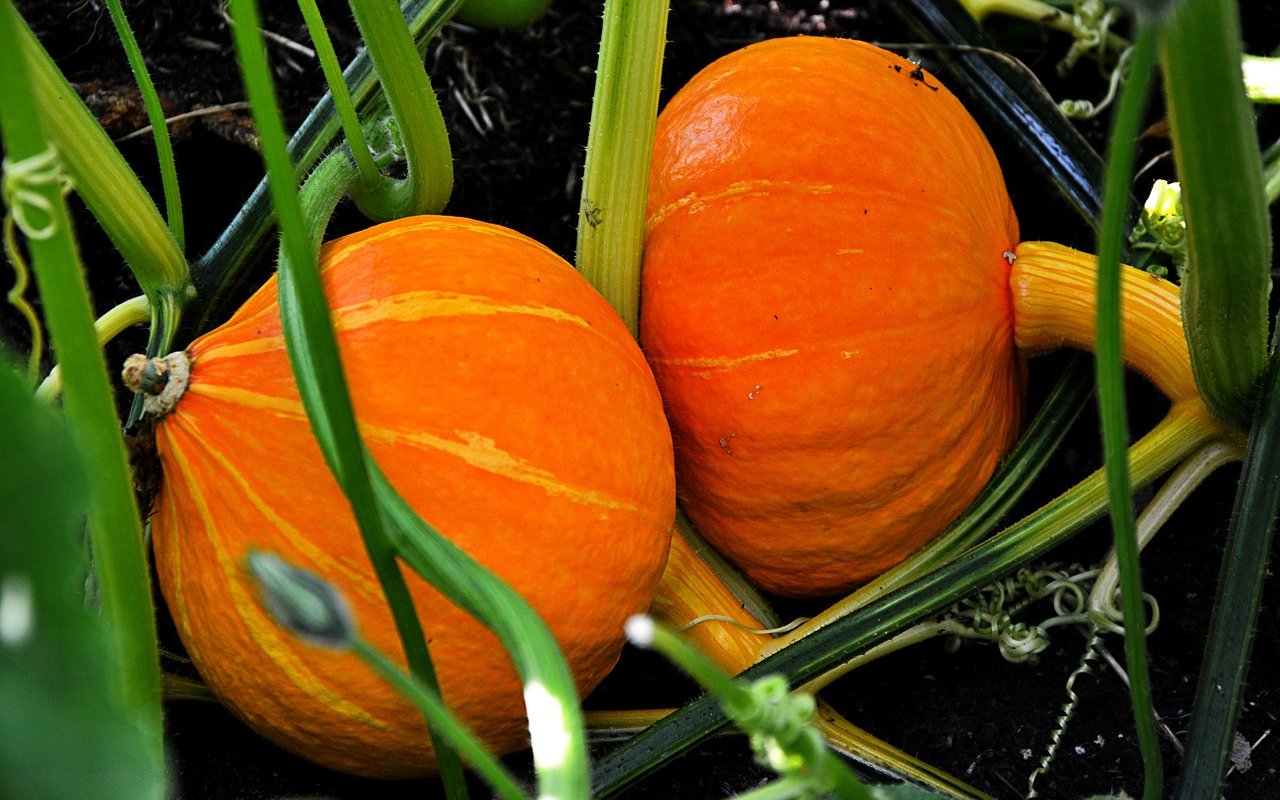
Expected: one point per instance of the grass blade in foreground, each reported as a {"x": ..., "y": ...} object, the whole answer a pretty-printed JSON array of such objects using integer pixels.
[
  {"x": 1110, "y": 366},
  {"x": 313, "y": 353},
  {"x": 550, "y": 693},
  {"x": 1215, "y": 148}
]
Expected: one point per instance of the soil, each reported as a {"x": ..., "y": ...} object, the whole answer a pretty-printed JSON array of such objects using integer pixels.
[{"x": 517, "y": 104}]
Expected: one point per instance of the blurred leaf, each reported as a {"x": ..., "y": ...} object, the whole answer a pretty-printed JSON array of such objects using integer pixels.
[{"x": 61, "y": 735}]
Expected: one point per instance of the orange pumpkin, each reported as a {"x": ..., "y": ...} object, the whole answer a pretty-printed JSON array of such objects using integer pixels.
[
  {"x": 826, "y": 307},
  {"x": 506, "y": 401}
]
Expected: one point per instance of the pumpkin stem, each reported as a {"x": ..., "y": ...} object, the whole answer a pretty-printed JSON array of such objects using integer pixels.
[
  {"x": 161, "y": 381},
  {"x": 1054, "y": 300},
  {"x": 691, "y": 590}
]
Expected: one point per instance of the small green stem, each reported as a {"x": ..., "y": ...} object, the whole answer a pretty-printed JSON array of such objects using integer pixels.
[
  {"x": 159, "y": 128},
  {"x": 1261, "y": 78},
  {"x": 369, "y": 174},
  {"x": 1110, "y": 366},
  {"x": 615, "y": 179}
]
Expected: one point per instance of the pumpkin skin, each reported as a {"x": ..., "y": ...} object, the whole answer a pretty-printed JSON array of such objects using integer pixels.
[
  {"x": 826, "y": 308},
  {"x": 505, "y": 400}
]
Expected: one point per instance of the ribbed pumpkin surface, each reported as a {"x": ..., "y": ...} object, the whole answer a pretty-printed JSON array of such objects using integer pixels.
[
  {"x": 506, "y": 401},
  {"x": 826, "y": 307}
]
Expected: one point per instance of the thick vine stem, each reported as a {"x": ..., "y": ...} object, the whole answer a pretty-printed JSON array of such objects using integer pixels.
[
  {"x": 1055, "y": 302},
  {"x": 691, "y": 589}
]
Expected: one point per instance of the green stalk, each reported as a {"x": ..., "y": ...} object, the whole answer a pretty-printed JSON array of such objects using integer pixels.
[
  {"x": 831, "y": 639},
  {"x": 1111, "y": 404},
  {"x": 338, "y": 90},
  {"x": 313, "y": 351},
  {"x": 159, "y": 128},
  {"x": 421, "y": 125},
  {"x": 1235, "y": 612},
  {"x": 615, "y": 180},
  {"x": 110, "y": 189},
  {"x": 1224, "y": 295},
  {"x": 114, "y": 523}
]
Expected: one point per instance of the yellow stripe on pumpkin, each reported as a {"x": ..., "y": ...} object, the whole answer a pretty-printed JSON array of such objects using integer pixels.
[
  {"x": 403, "y": 307},
  {"x": 723, "y": 363},
  {"x": 474, "y": 448},
  {"x": 263, "y": 630},
  {"x": 749, "y": 188},
  {"x": 353, "y": 577},
  {"x": 338, "y": 250}
]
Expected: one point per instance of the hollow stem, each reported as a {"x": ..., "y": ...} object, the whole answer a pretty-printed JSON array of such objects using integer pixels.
[
  {"x": 615, "y": 177},
  {"x": 429, "y": 183}
]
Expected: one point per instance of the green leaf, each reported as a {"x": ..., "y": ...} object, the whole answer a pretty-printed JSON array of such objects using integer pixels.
[{"x": 61, "y": 733}]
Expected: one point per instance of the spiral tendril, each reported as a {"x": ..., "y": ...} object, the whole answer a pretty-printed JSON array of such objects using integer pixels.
[
  {"x": 17, "y": 298},
  {"x": 1085, "y": 667},
  {"x": 990, "y": 614},
  {"x": 21, "y": 186}
]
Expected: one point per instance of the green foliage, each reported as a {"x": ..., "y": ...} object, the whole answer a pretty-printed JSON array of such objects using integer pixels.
[{"x": 61, "y": 734}]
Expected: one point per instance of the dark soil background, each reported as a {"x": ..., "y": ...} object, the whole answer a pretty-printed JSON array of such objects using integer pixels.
[{"x": 517, "y": 104}]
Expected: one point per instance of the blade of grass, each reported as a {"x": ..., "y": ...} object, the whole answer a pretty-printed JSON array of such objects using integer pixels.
[
  {"x": 615, "y": 178},
  {"x": 1215, "y": 148},
  {"x": 33, "y": 181},
  {"x": 1110, "y": 369},
  {"x": 313, "y": 353},
  {"x": 159, "y": 129}
]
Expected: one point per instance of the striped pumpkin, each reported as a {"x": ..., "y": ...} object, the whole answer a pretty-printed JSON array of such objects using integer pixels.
[
  {"x": 826, "y": 307},
  {"x": 506, "y": 401}
]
